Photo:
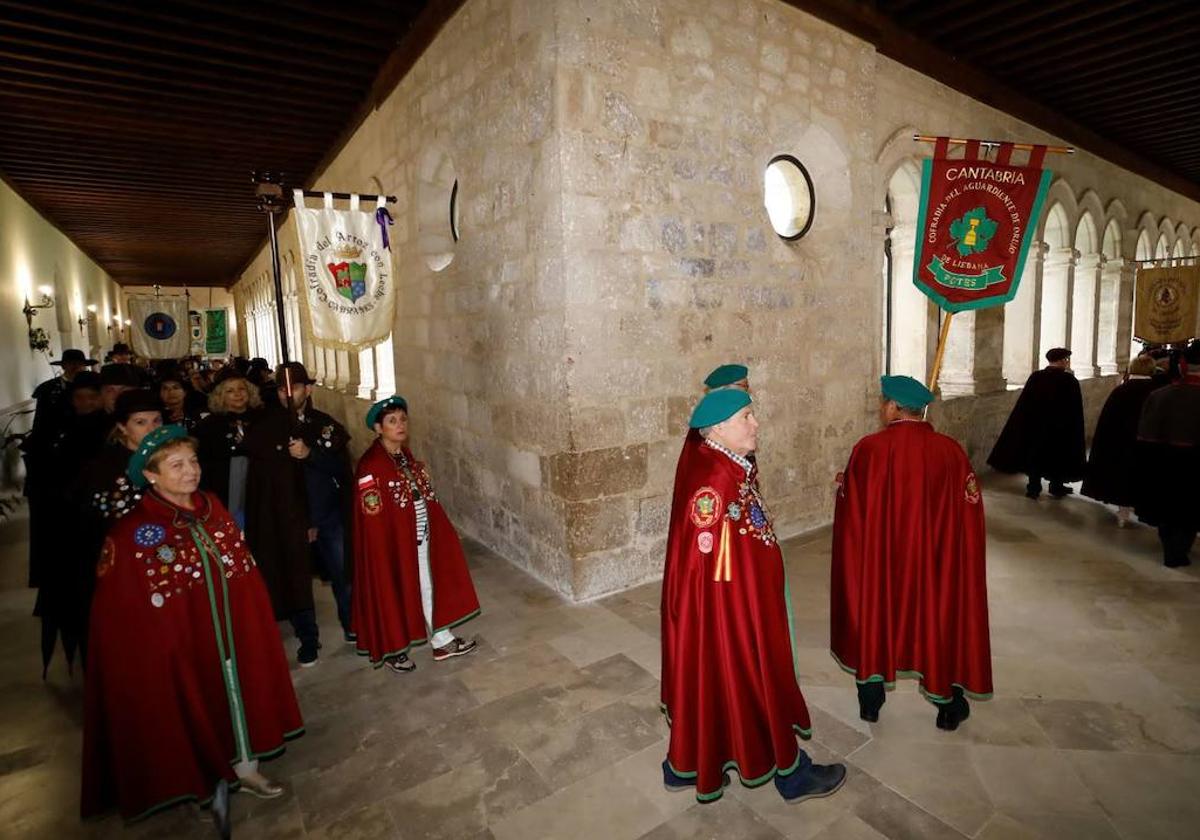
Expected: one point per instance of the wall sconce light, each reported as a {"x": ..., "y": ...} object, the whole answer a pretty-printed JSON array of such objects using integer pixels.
[
  {"x": 31, "y": 309},
  {"x": 82, "y": 323}
]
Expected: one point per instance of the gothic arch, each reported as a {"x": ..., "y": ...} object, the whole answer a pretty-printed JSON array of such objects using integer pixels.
[
  {"x": 895, "y": 151},
  {"x": 1060, "y": 195}
]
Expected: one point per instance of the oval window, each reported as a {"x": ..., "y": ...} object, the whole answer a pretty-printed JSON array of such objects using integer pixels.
[{"x": 788, "y": 196}]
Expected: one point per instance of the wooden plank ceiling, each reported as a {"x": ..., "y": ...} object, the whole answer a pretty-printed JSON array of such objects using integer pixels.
[
  {"x": 134, "y": 127},
  {"x": 1114, "y": 77}
]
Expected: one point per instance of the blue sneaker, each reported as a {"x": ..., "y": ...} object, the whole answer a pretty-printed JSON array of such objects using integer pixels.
[
  {"x": 811, "y": 782},
  {"x": 672, "y": 781}
]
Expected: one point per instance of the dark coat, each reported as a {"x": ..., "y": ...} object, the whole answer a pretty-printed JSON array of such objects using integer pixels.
[
  {"x": 1169, "y": 455},
  {"x": 1112, "y": 470},
  {"x": 220, "y": 440},
  {"x": 277, "y": 517},
  {"x": 1044, "y": 434}
]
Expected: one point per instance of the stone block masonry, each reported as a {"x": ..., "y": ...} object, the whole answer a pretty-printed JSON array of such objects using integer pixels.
[{"x": 615, "y": 248}]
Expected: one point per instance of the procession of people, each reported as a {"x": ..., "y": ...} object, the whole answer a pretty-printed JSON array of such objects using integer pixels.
[{"x": 201, "y": 520}]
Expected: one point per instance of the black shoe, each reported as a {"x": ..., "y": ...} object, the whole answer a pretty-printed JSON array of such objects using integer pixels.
[
  {"x": 1058, "y": 491},
  {"x": 1034, "y": 493},
  {"x": 871, "y": 697},
  {"x": 1177, "y": 562},
  {"x": 951, "y": 714},
  {"x": 220, "y": 810},
  {"x": 813, "y": 782},
  {"x": 307, "y": 656},
  {"x": 349, "y": 636}
]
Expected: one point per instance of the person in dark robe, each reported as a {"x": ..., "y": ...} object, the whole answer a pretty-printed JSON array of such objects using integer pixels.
[
  {"x": 328, "y": 477},
  {"x": 63, "y": 585},
  {"x": 908, "y": 588},
  {"x": 277, "y": 523},
  {"x": 50, "y": 414},
  {"x": 258, "y": 373},
  {"x": 1044, "y": 436},
  {"x": 116, "y": 379},
  {"x": 411, "y": 582},
  {"x": 733, "y": 699},
  {"x": 187, "y": 682},
  {"x": 1112, "y": 470},
  {"x": 1169, "y": 461},
  {"x": 235, "y": 407},
  {"x": 175, "y": 391},
  {"x": 724, "y": 376}
]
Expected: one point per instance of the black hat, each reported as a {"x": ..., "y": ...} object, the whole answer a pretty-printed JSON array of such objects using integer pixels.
[
  {"x": 293, "y": 372},
  {"x": 86, "y": 379},
  {"x": 73, "y": 355},
  {"x": 1057, "y": 354},
  {"x": 131, "y": 402},
  {"x": 259, "y": 362},
  {"x": 226, "y": 373},
  {"x": 170, "y": 371},
  {"x": 120, "y": 374},
  {"x": 121, "y": 347}
]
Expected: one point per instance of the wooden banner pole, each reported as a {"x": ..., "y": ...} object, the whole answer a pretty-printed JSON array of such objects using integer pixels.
[{"x": 941, "y": 352}]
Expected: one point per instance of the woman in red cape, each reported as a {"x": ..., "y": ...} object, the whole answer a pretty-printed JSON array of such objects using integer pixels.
[
  {"x": 909, "y": 583},
  {"x": 731, "y": 696},
  {"x": 187, "y": 682},
  {"x": 411, "y": 582}
]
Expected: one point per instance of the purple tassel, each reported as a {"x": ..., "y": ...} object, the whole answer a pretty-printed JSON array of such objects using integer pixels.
[{"x": 383, "y": 218}]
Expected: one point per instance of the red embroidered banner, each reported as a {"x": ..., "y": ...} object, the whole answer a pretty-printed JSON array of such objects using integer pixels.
[{"x": 976, "y": 222}]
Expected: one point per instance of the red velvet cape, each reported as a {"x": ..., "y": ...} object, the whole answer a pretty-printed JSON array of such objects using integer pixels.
[
  {"x": 386, "y": 598},
  {"x": 177, "y": 593},
  {"x": 691, "y": 444},
  {"x": 729, "y": 674},
  {"x": 909, "y": 583}
]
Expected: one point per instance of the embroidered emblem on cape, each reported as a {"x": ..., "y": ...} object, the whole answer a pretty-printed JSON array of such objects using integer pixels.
[
  {"x": 756, "y": 521},
  {"x": 166, "y": 554},
  {"x": 371, "y": 502},
  {"x": 704, "y": 541},
  {"x": 734, "y": 511},
  {"x": 706, "y": 507},
  {"x": 108, "y": 556},
  {"x": 148, "y": 536},
  {"x": 972, "y": 493},
  {"x": 157, "y": 599}
]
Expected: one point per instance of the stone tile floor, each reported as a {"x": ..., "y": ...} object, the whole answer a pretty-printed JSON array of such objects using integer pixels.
[{"x": 552, "y": 731}]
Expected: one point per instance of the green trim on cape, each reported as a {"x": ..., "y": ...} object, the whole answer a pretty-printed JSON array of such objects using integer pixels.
[{"x": 912, "y": 675}]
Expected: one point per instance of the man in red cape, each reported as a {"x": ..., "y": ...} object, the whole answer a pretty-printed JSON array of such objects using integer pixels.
[
  {"x": 725, "y": 376},
  {"x": 187, "y": 682},
  {"x": 732, "y": 699},
  {"x": 411, "y": 582},
  {"x": 908, "y": 588}
]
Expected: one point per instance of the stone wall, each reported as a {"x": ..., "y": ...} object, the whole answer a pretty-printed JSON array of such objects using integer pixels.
[
  {"x": 615, "y": 248},
  {"x": 478, "y": 345}
]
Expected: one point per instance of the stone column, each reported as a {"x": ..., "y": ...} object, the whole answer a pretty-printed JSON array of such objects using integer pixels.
[
  {"x": 1022, "y": 320},
  {"x": 1057, "y": 270},
  {"x": 1085, "y": 316},
  {"x": 974, "y": 358},
  {"x": 1128, "y": 270},
  {"x": 1107, "y": 316}
]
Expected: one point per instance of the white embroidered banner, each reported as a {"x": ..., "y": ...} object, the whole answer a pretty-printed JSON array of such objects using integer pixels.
[
  {"x": 160, "y": 326},
  {"x": 347, "y": 273}
]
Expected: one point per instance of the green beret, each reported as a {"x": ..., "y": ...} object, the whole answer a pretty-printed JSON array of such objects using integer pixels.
[
  {"x": 376, "y": 410},
  {"x": 726, "y": 375},
  {"x": 718, "y": 406},
  {"x": 905, "y": 391},
  {"x": 150, "y": 444}
]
